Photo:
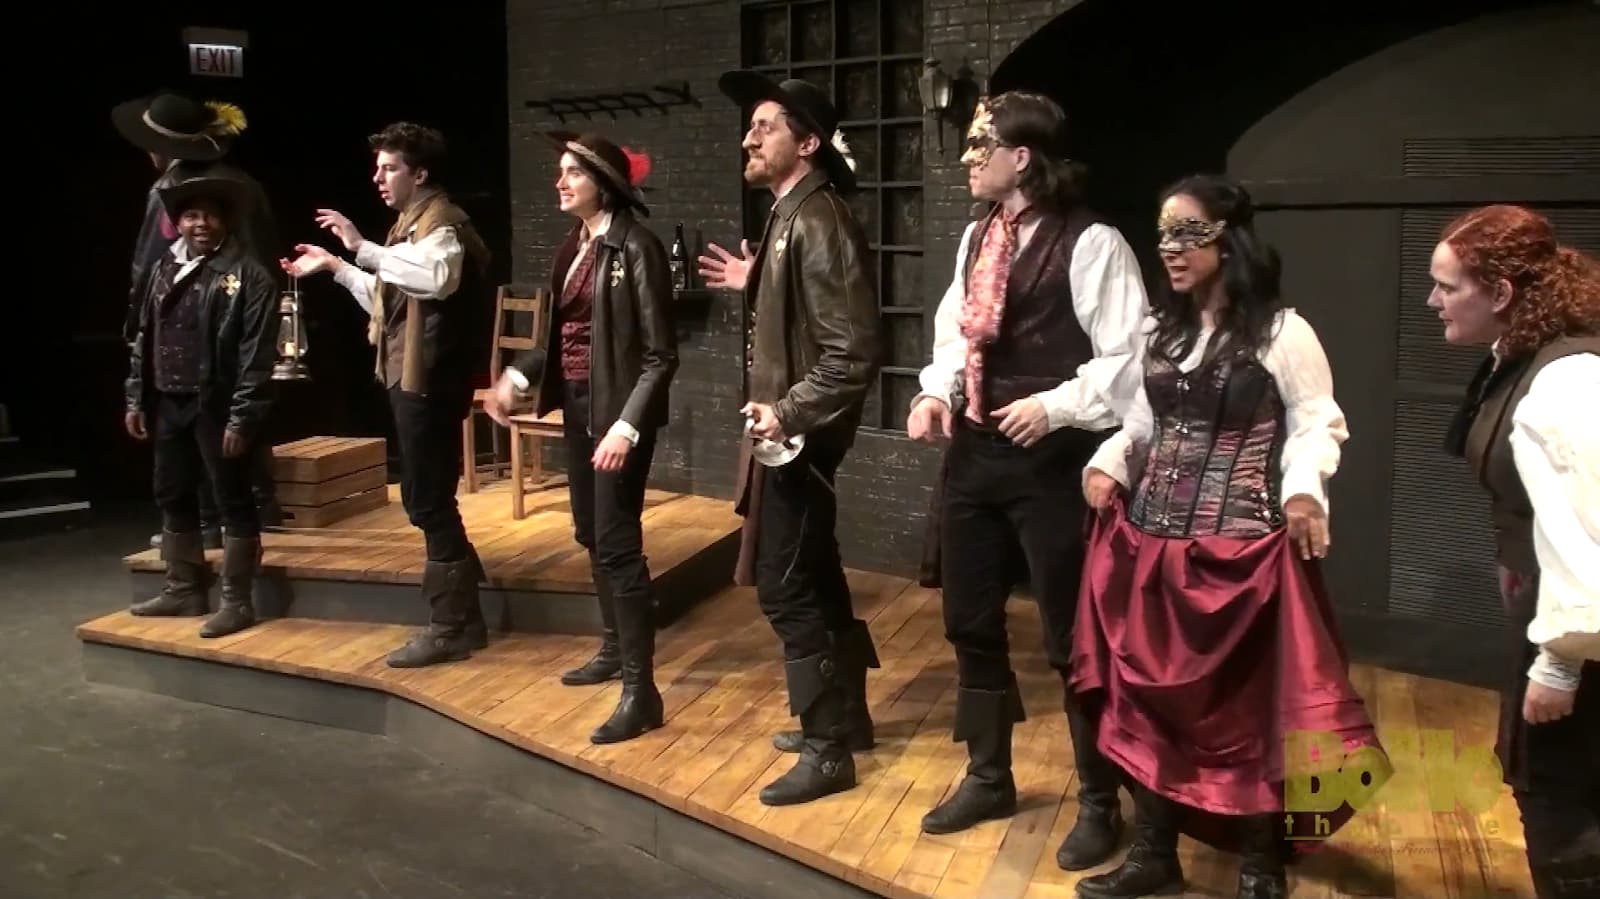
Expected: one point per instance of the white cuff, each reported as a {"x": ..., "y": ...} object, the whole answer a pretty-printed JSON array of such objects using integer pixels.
[
  {"x": 626, "y": 430},
  {"x": 919, "y": 397},
  {"x": 1555, "y": 672},
  {"x": 368, "y": 255},
  {"x": 518, "y": 379},
  {"x": 1303, "y": 481},
  {"x": 1112, "y": 458}
]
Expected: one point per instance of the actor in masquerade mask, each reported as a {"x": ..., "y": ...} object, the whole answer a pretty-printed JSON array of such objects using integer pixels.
[
  {"x": 1034, "y": 363},
  {"x": 1204, "y": 634}
]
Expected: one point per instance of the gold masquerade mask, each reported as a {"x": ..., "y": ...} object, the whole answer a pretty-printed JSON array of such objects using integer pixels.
[
  {"x": 1180, "y": 234},
  {"x": 982, "y": 138}
]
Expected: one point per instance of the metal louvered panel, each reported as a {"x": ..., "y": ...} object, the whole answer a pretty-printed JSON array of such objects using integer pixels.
[
  {"x": 1468, "y": 156},
  {"x": 1577, "y": 226},
  {"x": 1423, "y": 355},
  {"x": 1442, "y": 565}
]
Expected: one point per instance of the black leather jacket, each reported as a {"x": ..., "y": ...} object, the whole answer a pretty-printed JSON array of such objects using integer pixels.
[
  {"x": 257, "y": 231},
  {"x": 239, "y": 342},
  {"x": 634, "y": 351},
  {"x": 812, "y": 323}
]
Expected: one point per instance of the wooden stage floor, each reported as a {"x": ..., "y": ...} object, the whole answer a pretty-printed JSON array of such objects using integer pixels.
[
  {"x": 536, "y": 553},
  {"x": 719, "y": 669}
]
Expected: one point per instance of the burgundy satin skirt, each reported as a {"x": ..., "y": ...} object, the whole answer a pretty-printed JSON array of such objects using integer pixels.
[{"x": 1202, "y": 656}]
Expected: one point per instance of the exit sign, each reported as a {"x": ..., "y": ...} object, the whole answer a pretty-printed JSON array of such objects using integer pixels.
[
  {"x": 218, "y": 60},
  {"x": 216, "y": 52}
]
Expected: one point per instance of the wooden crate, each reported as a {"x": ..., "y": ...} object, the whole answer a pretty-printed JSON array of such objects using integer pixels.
[{"x": 324, "y": 479}]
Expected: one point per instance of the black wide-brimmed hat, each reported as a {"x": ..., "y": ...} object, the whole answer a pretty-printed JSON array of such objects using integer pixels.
[
  {"x": 178, "y": 127},
  {"x": 808, "y": 103},
  {"x": 620, "y": 167},
  {"x": 233, "y": 195}
]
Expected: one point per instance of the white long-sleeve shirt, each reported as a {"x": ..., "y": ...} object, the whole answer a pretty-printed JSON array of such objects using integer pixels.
[
  {"x": 428, "y": 269},
  {"x": 1109, "y": 301},
  {"x": 1316, "y": 424},
  {"x": 1557, "y": 453}
]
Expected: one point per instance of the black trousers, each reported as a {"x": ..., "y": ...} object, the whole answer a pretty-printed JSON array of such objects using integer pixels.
[
  {"x": 428, "y": 428},
  {"x": 1002, "y": 501},
  {"x": 800, "y": 580},
  {"x": 188, "y": 456},
  {"x": 1552, "y": 768},
  {"x": 262, "y": 486},
  {"x": 607, "y": 505}
]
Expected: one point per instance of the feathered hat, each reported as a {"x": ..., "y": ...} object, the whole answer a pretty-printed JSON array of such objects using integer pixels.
[
  {"x": 178, "y": 127},
  {"x": 621, "y": 168}
]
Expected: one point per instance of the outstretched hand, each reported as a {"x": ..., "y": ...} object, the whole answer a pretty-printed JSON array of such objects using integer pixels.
[
  {"x": 312, "y": 259},
  {"x": 340, "y": 225},
  {"x": 723, "y": 270}
]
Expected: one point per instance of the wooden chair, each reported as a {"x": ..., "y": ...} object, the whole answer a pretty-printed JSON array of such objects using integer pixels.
[
  {"x": 528, "y": 432},
  {"x": 510, "y": 298}
]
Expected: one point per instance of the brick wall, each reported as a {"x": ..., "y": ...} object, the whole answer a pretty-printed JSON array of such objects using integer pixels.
[{"x": 573, "y": 46}]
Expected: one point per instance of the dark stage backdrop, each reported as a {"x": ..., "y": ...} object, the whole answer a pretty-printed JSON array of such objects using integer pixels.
[{"x": 317, "y": 80}]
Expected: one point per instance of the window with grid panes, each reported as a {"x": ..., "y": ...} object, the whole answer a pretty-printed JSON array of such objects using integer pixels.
[{"x": 868, "y": 55}]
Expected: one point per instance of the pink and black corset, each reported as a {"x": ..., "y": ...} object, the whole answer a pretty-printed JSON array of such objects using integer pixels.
[{"x": 1213, "y": 463}]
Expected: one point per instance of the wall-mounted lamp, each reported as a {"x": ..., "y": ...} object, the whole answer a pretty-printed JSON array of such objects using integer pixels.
[{"x": 935, "y": 86}]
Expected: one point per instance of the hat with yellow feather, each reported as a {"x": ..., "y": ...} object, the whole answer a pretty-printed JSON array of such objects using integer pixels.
[{"x": 178, "y": 127}]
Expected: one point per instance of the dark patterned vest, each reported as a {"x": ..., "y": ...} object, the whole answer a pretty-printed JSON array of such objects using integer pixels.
[
  {"x": 576, "y": 313},
  {"x": 1215, "y": 451},
  {"x": 1041, "y": 342},
  {"x": 177, "y": 327},
  {"x": 1488, "y": 447}
]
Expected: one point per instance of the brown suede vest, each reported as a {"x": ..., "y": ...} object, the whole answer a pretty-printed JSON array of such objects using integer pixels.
[
  {"x": 1041, "y": 342},
  {"x": 1488, "y": 450}
]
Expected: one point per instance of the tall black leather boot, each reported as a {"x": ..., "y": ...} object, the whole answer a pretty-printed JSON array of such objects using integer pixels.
[
  {"x": 185, "y": 591},
  {"x": 476, "y": 629},
  {"x": 984, "y": 721},
  {"x": 607, "y": 662},
  {"x": 1151, "y": 868},
  {"x": 450, "y": 589},
  {"x": 1099, "y": 826},
  {"x": 856, "y": 655},
  {"x": 825, "y": 766},
  {"x": 639, "y": 708},
  {"x": 1261, "y": 873},
  {"x": 241, "y": 558}
]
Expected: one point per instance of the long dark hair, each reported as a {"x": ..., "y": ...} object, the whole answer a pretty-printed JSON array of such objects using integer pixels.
[
  {"x": 1251, "y": 276},
  {"x": 1052, "y": 181}
]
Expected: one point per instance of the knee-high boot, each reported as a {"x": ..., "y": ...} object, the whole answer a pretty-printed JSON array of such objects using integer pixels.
[
  {"x": 1151, "y": 868},
  {"x": 856, "y": 655},
  {"x": 607, "y": 662},
  {"x": 241, "y": 559},
  {"x": 825, "y": 765},
  {"x": 1261, "y": 873},
  {"x": 185, "y": 591},
  {"x": 639, "y": 709},
  {"x": 1099, "y": 826},
  {"x": 450, "y": 588},
  {"x": 984, "y": 721}
]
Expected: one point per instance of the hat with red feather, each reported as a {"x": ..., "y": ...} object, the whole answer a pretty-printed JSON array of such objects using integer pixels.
[{"x": 620, "y": 168}]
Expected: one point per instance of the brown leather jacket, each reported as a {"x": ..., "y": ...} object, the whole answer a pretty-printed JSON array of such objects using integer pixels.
[
  {"x": 634, "y": 353},
  {"x": 811, "y": 315}
]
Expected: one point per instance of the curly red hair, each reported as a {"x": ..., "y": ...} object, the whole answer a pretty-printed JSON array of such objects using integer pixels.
[{"x": 1555, "y": 290}]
